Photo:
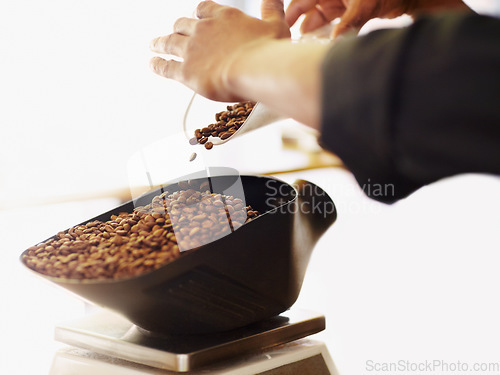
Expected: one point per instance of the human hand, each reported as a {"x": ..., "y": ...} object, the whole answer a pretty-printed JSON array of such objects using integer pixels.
[
  {"x": 209, "y": 45},
  {"x": 354, "y": 14}
]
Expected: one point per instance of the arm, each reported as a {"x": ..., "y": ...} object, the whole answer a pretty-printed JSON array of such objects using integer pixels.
[
  {"x": 401, "y": 108},
  {"x": 229, "y": 56},
  {"x": 283, "y": 75},
  {"x": 419, "y": 103}
]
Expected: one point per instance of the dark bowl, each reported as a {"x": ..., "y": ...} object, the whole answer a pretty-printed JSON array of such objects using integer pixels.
[{"x": 250, "y": 275}]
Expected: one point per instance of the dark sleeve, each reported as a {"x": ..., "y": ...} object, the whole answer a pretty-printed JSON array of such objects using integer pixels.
[{"x": 405, "y": 107}]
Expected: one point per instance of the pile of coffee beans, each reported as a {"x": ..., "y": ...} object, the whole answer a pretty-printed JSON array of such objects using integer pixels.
[
  {"x": 227, "y": 123},
  {"x": 131, "y": 244}
]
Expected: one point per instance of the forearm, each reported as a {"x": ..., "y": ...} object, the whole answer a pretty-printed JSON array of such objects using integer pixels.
[
  {"x": 421, "y": 104},
  {"x": 279, "y": 73}
]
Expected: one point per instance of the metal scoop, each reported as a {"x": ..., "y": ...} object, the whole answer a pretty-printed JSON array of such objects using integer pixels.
[{"x": 259, "y": 117}]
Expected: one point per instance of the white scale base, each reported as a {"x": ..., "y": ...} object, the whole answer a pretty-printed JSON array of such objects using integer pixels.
[{"x": 106, "y": 343}]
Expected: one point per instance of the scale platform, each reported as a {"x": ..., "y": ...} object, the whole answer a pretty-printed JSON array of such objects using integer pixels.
[{"x": 104, "y": 342}]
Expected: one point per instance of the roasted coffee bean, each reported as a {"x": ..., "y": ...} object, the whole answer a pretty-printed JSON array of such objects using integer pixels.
[
  {"x": 227, "y": 123},
  {"x": 130, "y": 244},
  {"x": 225, "y": 135}
]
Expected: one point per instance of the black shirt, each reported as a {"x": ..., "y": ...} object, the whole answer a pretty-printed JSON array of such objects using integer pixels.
[{"x": 405, "y": 107}]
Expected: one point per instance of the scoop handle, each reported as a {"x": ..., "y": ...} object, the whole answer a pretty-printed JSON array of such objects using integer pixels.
[{"x": 260, "y": 116}]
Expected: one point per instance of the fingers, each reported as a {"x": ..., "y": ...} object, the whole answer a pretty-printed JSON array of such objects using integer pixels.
[
  {"x": 342, "y": 28},
  {"x": 313, "y": 20},
  {"x": 272, "y": 10},
  {"x": 166, "y": 68},
  {"x": 173, "y": 44},
  {"x": 354, "y": 18},
  {"x": 207, "y": 9},
  {"x": 332, "y": 9},
  {"x": 298, "y": 8},
  {"x": 317, "y": 13},
  {"x": 185, "y": 26}
]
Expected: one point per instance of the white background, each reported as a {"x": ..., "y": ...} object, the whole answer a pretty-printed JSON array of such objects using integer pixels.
[{"x": 417, "y": 280}]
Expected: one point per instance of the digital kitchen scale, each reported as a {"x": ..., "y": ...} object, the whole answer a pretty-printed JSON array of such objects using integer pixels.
[{"x": 107, "y": 343}]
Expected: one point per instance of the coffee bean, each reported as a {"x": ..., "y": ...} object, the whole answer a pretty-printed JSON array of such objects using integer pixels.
[
  {"x": 130, "y": 244},
  {"x": 225, "y": 135},
  {"x": 227, "y": 123}
]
